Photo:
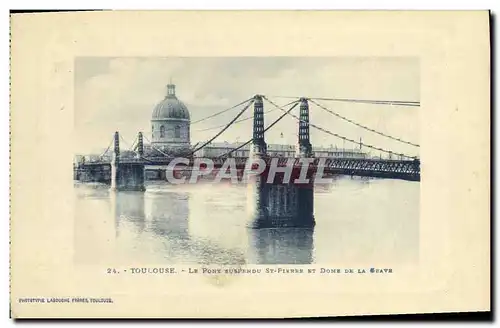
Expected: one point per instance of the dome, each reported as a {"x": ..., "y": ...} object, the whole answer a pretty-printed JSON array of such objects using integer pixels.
[{"x": 170, "y": 107}]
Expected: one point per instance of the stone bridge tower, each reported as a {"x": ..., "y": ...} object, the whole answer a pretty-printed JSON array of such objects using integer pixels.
[
  {"x": 127, "y": 174},
  {"x": 276, "y": 203}
]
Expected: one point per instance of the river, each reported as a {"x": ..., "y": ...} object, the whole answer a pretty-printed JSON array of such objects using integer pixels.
[{"x": 357, "y": 221}]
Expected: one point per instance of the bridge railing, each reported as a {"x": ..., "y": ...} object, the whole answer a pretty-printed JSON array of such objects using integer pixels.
[
  {"x": 282, "y": 161},
  {"x": 345, "y": 165}
]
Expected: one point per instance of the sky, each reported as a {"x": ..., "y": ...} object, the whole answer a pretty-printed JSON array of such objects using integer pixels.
[{"x": 119, "y": 94}]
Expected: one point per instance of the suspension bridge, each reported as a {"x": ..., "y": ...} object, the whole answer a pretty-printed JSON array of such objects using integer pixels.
[{"x": 276, "y": 204}]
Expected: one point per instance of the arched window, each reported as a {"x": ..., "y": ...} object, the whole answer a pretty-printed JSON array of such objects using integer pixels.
[
  {"x": 177, "y": 132},
  {"x": 162, "y": 131}
]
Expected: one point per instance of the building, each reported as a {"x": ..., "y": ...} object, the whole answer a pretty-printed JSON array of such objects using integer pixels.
[
  {"x": 170, "y": 123},
  {"x": 338, "y": 152},
  {"x": 170, "y": 136},
  {"x": 275, "y": 150}
]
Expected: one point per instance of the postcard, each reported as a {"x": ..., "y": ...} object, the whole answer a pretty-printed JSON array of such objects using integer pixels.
[{"x": 249, "y": 164}]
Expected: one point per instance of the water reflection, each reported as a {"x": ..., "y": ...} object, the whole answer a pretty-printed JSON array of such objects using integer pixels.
[
  {"x": 282, "y": 246},
  {"x": 157, "y": 223},
  {"x": 168, "y": 214},
  {"x": 217, "y": 225},
  {"x": 362, "y": 221},
  {"x": 183, "y": 235},
  {"x": 91, "y": 190},
  {"x": 129, "y": 211}
]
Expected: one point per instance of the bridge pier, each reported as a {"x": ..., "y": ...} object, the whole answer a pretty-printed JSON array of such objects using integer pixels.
[
  {"x": 277, "y": 203},
  {"x": 281, "y": 246},
  {"x": 94, "y": 173},
  {"x": 282, "y": 204},
  {"x": 258, "y": 191},
  {"x": 305, "y": 192},
  {"x": 127, "y": 176}
]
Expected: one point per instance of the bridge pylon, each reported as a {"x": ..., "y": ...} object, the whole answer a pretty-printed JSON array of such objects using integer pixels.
[
  {"x": 259, "y": 147},
  {"x": 275, "y": 202},
  {"x": 305, "y": 192},
  {"x": 140, "y": 146},
  {"x": 305, "y": 147},
  {"x": 258, "y": 191},
  {"x": 126, "y": 174}
]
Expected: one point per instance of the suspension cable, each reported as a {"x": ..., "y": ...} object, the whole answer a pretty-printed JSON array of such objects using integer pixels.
[
  {"x": 223, "y": 125},
  {"x": 146, "y": 159},
  {"x": 210, "y": 116},
  {"x": 141, "y": 157},
  {"x": 203, "y": 119},
  {"x": 107, "y": 149},
  {"x": 126, "y": 143},
  {"x": 365, "y": 101},
  {"x": 222, "y": 111},
  {"x": 295, "y": 103},
  {"x": 363, "y": 126},
  {"x": 340, "y": 136},
  {"x": 152, "y": 146},
  {"x": 133, "y": 144},
  {"x": 224, "y": 129},
  {"x": 375, "y": 102},
  {"x": 238, "y": 121}
]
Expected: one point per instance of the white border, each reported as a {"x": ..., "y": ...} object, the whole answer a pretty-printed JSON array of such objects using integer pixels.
[
  {"x": 493, "y": 5},
  {"x": 259, "y": 4}
]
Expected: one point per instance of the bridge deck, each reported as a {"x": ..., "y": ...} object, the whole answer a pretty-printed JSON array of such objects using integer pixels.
[{"x": 367, "y": 167}]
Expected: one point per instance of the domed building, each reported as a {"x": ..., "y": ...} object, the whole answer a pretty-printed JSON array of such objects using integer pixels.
[{"x": 170, "y": 123}]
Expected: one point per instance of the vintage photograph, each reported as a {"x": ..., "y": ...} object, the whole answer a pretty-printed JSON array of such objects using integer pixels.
[
  {"x": 246, "y": 160},
  {"x": 249, "y": 164}
]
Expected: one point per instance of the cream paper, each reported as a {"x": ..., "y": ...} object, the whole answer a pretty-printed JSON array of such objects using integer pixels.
[{"x": 453, "y": 265}]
